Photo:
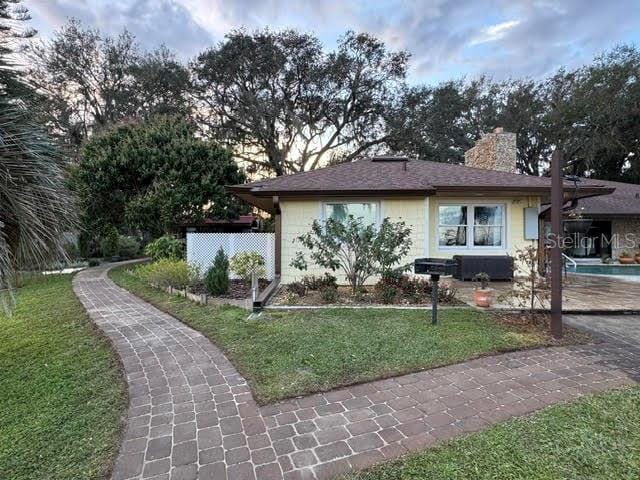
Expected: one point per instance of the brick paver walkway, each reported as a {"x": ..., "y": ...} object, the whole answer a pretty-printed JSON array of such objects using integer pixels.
[{"x": 192, "y": 415}]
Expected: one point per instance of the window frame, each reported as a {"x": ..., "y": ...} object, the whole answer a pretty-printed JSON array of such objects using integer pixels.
[
  {"x": 377, "y": 203},
  {"x": 471, "y": 225}
]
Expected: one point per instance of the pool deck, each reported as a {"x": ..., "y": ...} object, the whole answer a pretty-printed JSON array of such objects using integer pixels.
[{"x": 582, "y": 293}]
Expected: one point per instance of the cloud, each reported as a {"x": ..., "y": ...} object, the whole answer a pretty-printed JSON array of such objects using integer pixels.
[
  {"x": 494, "y": 32},
  {"x": 447, "y": 38},
  {"x": 154, "y": 22}
]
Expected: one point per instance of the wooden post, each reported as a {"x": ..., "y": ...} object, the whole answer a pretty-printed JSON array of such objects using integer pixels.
[{"x": 557, "y": 201}]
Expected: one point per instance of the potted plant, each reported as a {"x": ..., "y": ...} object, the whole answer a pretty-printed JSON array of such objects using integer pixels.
[
  {"x": 625, "y": 258},
  {"x": 482, "y": 294}
]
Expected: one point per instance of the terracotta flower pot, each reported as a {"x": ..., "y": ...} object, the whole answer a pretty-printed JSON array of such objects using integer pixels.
[
  {"x": 626, "y": 260},
  {"x": 483, "y": 297}
]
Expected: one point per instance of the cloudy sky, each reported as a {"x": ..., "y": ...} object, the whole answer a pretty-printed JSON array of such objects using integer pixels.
[{"x": 446, "y": 38}]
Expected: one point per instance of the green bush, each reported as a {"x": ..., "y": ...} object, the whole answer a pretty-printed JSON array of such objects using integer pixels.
[
  {"x": 94, "y": 262},
  {"x": 329, "y": 295},
  {"x": 128, "y": 247},
  {"x": 246, "y": 263},
  {"x": 165, "y": 247},
  {"x": 297, "y": 288},
  {"x": 388, "y": 294},
  {"x": 217, "y": 278},
  {"x": 169, "y": 273},
  {"x": 313, "y": 282},
  {"x": 109, "y": 243}
]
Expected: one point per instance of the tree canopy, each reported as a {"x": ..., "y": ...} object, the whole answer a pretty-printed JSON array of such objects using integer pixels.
[
  {"x": 288, "y": 106},
  {"x": 146, "y": 177},
  {"x": 90, "y": 81}
]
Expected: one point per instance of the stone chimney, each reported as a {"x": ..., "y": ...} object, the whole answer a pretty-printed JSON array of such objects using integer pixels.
[{"x": 494, "y": 151}]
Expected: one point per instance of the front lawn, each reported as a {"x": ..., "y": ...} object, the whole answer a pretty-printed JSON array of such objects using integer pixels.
[
  {"x": 596, "y": 437},
  {"x": 285, "y": 354},
  {"x": 62, "y": 395}
]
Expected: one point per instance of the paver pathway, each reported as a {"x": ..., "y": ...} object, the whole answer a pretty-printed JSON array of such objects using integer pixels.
[{"x": 192, "y": 415}]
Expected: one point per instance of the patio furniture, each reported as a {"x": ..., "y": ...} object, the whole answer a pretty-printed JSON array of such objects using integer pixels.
[{"x": 499, "y": 267}]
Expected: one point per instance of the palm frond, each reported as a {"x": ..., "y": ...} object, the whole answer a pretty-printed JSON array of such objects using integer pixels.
[{"x": 36, "y": 208}]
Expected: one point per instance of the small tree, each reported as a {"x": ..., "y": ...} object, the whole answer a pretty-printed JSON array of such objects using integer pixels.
[
  {"x": 217, "y": 277},
  {"x": 245, "y": 264},
  {"x": 531, "y": 286},
  {"x": 359, "y": 250}
]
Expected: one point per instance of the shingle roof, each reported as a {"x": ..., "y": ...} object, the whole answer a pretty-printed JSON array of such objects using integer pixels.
[
  {"x": 625, "y": 200},
  {"x": 414, "y": 176}
]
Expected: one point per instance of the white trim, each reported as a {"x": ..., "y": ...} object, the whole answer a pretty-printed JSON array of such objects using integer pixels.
[
  {"x": 427, "y": 233},
  {"x": 470, "y": 226}
]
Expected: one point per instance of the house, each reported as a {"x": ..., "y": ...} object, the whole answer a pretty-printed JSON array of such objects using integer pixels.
[
  {"x": 615, "y": 223},
  {"x": 481, "y": 208}
]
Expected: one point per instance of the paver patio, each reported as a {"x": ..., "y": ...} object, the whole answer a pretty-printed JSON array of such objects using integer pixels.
[
  {"x": 193, "y": 416},
  {"x": 582, "y": 293}
]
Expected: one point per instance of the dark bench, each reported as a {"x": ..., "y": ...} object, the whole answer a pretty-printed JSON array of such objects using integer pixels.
[{"x": 499, "y": 267}]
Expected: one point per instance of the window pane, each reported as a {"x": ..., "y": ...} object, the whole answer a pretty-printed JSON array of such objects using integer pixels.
[
  {"x": 340, "y": 211},
  {"x": 488, "y": 215},
  {"x": 452, "y": 215},
  {"x": 487, "y": 236},
  {"x": 452, "y": 236}
]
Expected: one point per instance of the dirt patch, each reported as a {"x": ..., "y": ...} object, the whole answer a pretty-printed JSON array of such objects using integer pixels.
[{"x": 539, "y": 322}]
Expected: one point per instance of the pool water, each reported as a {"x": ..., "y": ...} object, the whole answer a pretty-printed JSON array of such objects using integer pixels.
[{"x": 605, "y": 269}]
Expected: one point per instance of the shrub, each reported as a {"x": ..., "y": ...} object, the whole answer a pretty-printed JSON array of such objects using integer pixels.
[
  {"x": 388, "y": 294},
  {"x": 128, "y": 247},
  {"x": 165, "y": 247},
  {"x": 217, "y": 278},
  {"x": 94, "y": 262},
  {"x": 109, "y": 243},
  {"x": 298, "y": 288},
  {"x": 329, "y": 295},
  {"x": 246, "y": 263},
  {"x": 313, "y": 282},
  {"x": 358, "y": 249},
  {"x": 416, "y": 290},
  {"x": 169, "y": 273}
]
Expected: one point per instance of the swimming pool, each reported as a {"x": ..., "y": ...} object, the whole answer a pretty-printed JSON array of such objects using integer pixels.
[{"x": 605, "y": 269}]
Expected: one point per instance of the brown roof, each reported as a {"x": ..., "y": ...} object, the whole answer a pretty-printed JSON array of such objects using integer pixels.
[
  {"x": 370, "y": 176},
  {"x": 624, "y": 201}
]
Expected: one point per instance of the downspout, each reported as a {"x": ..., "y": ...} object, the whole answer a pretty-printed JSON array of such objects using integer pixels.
[{"x": 271, "y": 289}]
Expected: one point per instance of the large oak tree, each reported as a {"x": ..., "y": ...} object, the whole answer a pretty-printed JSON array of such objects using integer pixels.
[{"x": 287, "y": 106}]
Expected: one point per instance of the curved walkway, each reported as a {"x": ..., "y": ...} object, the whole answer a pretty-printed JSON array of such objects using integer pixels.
[{"x": 192, "y": 415}]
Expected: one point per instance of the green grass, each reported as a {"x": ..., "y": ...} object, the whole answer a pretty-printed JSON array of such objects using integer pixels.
[
  {"x": 285, "y": 354},
  {"x": 596, "y": 437},
  {"x": 62, "y": 395}
]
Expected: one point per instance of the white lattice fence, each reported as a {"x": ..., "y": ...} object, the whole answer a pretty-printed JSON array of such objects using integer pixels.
[{"x": 202, "y": 247}]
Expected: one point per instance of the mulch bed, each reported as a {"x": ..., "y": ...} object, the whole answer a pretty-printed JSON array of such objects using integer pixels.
[
  {"x": 368, "y": 297},
  {"x": 238, "y": 289}
]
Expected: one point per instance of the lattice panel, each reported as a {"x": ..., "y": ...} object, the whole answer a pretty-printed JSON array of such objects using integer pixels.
[{"x": 202, "y": 248}]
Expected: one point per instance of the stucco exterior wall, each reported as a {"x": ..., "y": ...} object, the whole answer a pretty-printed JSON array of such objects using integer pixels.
[
  {"x": 625, "y": 234},
  {"x": 298, "y": 215}
]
